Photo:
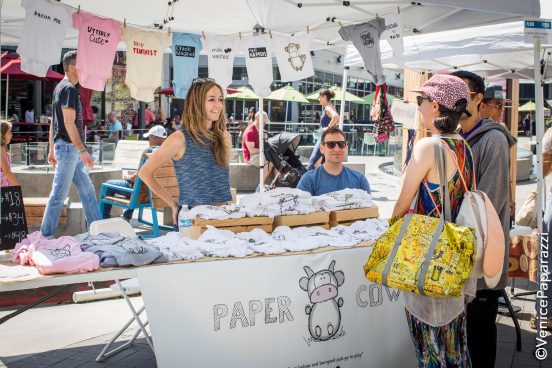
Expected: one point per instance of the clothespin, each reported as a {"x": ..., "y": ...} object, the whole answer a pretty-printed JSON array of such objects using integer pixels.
[
  {"x": 124, "y": 23},
  {"x": 203, "y": 34},
  {"x": 270, "y": 33},
  {"x": 308, "y": 31},
  {"x": 398, "y": 9},
  {"x": 78, "y": 10},
  {"x": 240, "y": 35}
]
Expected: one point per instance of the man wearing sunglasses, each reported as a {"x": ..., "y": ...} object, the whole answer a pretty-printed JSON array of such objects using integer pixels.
[
  {"x": 332, "y": 175},
  {"x": 492, "y": 106}
]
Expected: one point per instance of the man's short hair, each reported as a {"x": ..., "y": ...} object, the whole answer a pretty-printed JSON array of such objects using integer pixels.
[
  {"x": 332, "y": 130},
  {"x": 70, "y": 58},
  {"x": 475, "y": 82}
]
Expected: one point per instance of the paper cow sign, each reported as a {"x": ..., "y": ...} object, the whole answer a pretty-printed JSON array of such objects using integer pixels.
[{"x": 300, "y": 311}]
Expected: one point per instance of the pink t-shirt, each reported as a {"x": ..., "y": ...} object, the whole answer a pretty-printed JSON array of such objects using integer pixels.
[
  {"x": 50, "y": 256},
  {"x": 98, "y": 40}
]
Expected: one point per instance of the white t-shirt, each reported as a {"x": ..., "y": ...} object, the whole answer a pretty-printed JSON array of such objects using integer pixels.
[
  {"x": 258, "y": 60},
  {"x": 144, "y": 61},
  {"x": 393, "y": 34},
  {"x": 44, "y": 30},
  {"x": 294, "y": 58},
  {"x": 221, "y": 52}
]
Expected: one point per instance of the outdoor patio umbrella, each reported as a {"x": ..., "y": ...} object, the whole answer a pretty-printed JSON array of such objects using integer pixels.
[
  {"x": 369, "y": 99},
  {"x": 349, "y": 97},
  {"x": 287, "y": 93},
  {"x": 529, "y": 107},
  {"x": 11, "y": 68},
  {"x": 243, "y": 93}
]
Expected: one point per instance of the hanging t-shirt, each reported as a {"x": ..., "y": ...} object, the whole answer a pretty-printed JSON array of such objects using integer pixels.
[
  {"x": 221, "y": 52},
  {"x": 44, "y": 30},
  {"x": 98, "y": 40},
  {"x": 185, "y": 53},
  {"x": 258, "y": 60},
  {"x": 366, "y": 39},
  {"x": 294, "y": 58},
  {"x": 144, "y": 61},
  {"x": 393, "y": 34}
]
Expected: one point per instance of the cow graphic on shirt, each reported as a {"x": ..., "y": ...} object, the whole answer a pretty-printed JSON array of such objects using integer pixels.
[
  {"x": 59, "y": 253},
  {"x": 324, "y": 312}
]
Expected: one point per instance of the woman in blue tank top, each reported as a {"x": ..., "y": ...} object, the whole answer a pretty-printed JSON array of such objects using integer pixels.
[
  {"x": 200, "y": 151},
  {"x": 330, "y": 118}
]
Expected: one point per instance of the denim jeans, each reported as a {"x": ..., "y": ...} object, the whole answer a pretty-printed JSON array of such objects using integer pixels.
[
  {"x": 69, "y": 169},
  {"x": 111, "y": 191},
  {"x": 316, "y": 154}
]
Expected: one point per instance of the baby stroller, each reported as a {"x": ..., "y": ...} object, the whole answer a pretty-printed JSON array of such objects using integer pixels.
[{"x": 279, "y": 150}]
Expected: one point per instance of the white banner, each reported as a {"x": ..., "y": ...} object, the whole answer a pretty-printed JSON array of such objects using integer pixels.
[{"x": 300, "y": 311}]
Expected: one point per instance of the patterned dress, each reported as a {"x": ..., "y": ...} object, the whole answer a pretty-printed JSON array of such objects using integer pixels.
[{"x": 444, "y": 346}]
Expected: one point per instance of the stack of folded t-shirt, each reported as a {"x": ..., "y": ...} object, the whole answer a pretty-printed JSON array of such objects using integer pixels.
[
  {"x": 50, "y": 256},
  {"x": 343, "y": 200},
  {"x": 116, "y": 250},
  {"x": 280, "y": 201}
]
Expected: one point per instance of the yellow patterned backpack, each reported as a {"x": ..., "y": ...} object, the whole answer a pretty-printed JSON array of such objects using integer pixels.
[{"x": 422, "y": 254}]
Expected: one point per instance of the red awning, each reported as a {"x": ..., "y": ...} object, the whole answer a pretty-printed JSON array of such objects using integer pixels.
[
  {"x": 12, "y": 67},
  {"x": 170, "y": 91}
]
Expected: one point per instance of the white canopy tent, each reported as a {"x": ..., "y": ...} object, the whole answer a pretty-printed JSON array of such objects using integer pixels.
[
  {"x": 492, "y": 51},
  {"x": 320, "y": 18}
]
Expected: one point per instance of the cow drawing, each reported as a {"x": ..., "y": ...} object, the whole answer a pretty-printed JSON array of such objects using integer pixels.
[{"x": 322, "y": 290}]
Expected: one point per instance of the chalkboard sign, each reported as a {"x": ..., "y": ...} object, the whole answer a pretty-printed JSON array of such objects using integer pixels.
[{"x": 13, "y": 223}]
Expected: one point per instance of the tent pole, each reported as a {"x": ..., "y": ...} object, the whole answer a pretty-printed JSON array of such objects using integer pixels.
[
  {"x": 7, "y": 87},
  {"x": 343, "y": 91},
  {"x": 539, "y": 121},
  {"x": 261, "y": 146}
]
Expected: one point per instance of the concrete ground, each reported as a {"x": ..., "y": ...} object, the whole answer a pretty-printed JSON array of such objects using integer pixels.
[{"x": 69, "y": 335}]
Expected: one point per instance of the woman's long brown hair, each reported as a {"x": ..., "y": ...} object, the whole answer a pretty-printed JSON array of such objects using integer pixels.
[
  {"x": 5, "y": 127},
  {"x": 193, "y": 121}
]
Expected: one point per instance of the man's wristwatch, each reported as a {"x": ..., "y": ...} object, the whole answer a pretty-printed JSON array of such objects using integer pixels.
[{"x": 82, "y": 149}]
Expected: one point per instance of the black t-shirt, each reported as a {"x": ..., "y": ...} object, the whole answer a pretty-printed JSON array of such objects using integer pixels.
[{"x": 66, "y": 95}]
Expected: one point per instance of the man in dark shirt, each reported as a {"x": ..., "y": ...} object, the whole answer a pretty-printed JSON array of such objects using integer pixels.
[{"x": 67, "y": 152}]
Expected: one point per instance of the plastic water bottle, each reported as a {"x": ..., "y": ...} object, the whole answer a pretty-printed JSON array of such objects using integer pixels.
[
  {"x": 185, "y": 221},
  {"x": 95, "y": 157}
]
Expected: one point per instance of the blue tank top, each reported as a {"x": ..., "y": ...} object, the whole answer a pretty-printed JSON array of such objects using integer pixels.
[
  {"x": 201, "y": 180},
  {"x": 325, "y": 120}
]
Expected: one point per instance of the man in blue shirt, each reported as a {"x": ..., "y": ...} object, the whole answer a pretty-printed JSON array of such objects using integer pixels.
[
  {"x": 332, "y": 175},
  {"x": 115, "y": 128}
]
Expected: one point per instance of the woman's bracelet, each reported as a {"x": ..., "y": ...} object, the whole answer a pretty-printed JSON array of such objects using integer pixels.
[{"x": 82, "y": 149}]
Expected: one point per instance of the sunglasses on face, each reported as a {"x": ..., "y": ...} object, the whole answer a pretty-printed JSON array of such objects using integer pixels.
[
  {"x": 332, "y": 144},
  {"x": 420, "y": 100},
  {"x": 498, "y": 106}
]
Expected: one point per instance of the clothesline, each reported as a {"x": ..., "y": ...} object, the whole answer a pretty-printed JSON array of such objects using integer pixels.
[{"x": 334, "y": 22}]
